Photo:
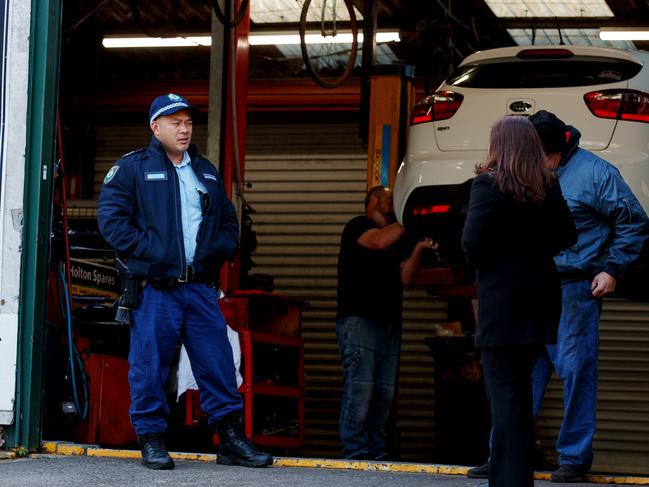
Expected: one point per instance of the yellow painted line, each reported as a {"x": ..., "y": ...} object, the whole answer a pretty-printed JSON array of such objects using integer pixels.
[
  {"x": 108, "y": 453},
  {"x": 197, "y": 457},
  {"x": 373, "y": 466},
  {"x": 71, "y": 449},
  {"x": 48, "y": 447},
  {"x": 65, "y": 448},
  {"x": 605, "y": 479}
]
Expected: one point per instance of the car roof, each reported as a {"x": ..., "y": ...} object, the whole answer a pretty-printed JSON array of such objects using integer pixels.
[{"x": 504, "y": 52}]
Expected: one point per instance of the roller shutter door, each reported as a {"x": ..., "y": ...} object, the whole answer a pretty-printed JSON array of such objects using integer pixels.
[
  {"x": 307, "y": 181},
  {"x": 622, "y": 436}
]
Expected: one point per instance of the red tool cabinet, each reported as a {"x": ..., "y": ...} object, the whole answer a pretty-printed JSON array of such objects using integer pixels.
[
  {"x": 108, "y": 420},
  {"x": 272, "y": 367}
]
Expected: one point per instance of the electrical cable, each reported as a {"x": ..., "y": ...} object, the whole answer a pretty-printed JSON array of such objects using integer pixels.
[
  {"x": 561, "y": 43},
  {"x": 230, "y": 23},
  {"x": 67, "y": 278},
  {"x": 74, "y": 357},
  {"x": 64, "y": 198},
  {"x": 168, "y": 30},
  {"x": 233, "y": 108},
  {"x": 70, "y": 30},
  {"x": 460, "y": 22}
]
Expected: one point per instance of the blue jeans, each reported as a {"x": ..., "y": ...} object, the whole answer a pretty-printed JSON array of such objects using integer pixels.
[
  {"x": 574, "y": 358},
  {"x": 370, "y": 357},
  {"x": 189, "y": 312}
]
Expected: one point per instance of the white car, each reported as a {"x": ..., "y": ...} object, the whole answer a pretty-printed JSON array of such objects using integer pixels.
[{"x": 602, "y": 92}]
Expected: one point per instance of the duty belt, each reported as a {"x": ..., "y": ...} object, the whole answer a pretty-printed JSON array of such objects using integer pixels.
[{"x": 189, "y": 276}]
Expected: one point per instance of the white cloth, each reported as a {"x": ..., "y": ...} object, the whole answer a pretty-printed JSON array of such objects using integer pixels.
[{"x": 186, "y": 378}]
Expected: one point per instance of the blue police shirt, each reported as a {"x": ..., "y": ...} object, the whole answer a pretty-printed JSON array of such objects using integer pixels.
[{"x": 190, "y": 205}]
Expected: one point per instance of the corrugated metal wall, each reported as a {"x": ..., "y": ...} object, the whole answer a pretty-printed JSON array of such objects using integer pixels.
[
  {"x": 307, "y": 181},
  {"x": 622, "y": 436}
]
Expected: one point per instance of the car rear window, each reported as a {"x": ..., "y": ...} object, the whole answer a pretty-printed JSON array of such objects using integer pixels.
[{"x": 543, "y": 73}]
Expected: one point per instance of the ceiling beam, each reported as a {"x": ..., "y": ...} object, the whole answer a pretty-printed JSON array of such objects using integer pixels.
[{"x": 568, "y": 22}]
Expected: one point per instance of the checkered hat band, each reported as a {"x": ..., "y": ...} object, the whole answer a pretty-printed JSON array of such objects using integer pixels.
[{"x": 168, "y": 107}]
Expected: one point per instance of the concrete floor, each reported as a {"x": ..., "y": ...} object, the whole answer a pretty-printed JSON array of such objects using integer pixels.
[{"x": 49, "y": 470}]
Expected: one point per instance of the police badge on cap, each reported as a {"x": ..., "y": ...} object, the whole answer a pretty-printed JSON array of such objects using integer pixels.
[{"x": 168, "y": 104}]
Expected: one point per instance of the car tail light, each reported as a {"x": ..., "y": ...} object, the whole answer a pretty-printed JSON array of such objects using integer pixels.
[
  {"x": 545, "y": 54},
  {"x": 439, "y": 106},
  {"x": 619, "y": 104},
  {"x": 423, "y": 210}
]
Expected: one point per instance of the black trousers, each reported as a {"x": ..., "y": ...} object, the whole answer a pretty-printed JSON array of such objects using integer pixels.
[{"x": 508, "y": 379}]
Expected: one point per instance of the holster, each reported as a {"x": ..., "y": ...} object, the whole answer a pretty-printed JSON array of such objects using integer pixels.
[{"x": 130, "y": 293}]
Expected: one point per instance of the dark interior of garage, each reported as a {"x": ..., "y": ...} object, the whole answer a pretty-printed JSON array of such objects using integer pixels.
[{"x": 303, "y": 150}]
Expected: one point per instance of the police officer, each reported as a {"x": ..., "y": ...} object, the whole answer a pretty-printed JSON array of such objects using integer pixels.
[{"x": 165, "y": 212}]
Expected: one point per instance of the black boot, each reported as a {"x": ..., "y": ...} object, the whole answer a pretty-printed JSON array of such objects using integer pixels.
[
  {"x": 234, "y": 448},
  {"x": 570, "y": 474},
  {"x": 481, "y": 472},
  {"x": 154, "y": 454}
]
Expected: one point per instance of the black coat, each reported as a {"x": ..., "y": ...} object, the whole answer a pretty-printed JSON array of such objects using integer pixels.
[{"x": 511, "y": 245}]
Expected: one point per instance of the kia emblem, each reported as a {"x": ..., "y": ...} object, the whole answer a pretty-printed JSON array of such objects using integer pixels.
[{"x": 520, "y": 106}]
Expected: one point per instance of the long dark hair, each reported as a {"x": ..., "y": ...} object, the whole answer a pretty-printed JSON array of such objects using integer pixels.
[{"x": 517, "y": 161}]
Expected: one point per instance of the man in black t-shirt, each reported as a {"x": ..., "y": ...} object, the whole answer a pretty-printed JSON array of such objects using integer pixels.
[{"x": 373, "y": 266}]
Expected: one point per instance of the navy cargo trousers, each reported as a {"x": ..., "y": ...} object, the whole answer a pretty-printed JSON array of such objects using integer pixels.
[{"x": 189, "y": 312}]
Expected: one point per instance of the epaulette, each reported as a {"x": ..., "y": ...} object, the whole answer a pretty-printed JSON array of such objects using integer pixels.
[{"x": 132, "y": 153}]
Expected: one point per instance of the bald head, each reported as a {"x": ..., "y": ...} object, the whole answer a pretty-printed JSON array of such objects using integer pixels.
[{"x": 378, "y": 205}]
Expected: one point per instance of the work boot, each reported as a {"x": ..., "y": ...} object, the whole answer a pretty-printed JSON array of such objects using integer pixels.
[
  {"x": 154, "y": 453},
  {"x": 234, "y": 448},
  {"x": 569, "y": 474},
  {"x": 481, "y": 472}
]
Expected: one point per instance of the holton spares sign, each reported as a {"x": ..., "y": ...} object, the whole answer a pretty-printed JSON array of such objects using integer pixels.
[{"x": 93, "y": 279}]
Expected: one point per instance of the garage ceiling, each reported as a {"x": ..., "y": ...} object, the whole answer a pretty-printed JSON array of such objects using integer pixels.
[{"x": 432, "y": 31}]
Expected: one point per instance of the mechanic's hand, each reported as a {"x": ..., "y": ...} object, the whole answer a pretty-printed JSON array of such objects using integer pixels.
[
  {"x": 428, "y": 243},
  {"x": 603, "y": 284}
]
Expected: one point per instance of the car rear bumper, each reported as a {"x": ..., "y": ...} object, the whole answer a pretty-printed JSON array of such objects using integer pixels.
[{"x": 419, "y": 176}]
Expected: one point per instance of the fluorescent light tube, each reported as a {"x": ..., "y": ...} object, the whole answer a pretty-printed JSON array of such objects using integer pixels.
[
  {"x": 111, "y": 42},
  {"x": 130, "y": 42},
  {"x": 342, "y": 38},
  {"x": 624, "y": 34}
]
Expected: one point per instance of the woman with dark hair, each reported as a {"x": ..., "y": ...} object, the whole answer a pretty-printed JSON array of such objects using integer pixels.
[{"x": 517, "y": 221}]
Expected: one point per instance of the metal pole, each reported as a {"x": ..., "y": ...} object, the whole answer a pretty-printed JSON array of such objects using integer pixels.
[
  {"x": 216, "y": 95},
  {"x": 367, "y": 63}
]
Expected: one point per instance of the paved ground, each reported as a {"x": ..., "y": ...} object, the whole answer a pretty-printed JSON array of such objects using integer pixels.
[{"x": 70, "y": 471}]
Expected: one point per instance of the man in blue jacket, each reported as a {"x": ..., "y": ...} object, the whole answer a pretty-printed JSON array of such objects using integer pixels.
[
  {"x": 612, "y": 229},
  {"x": 165, "y": 212}
]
